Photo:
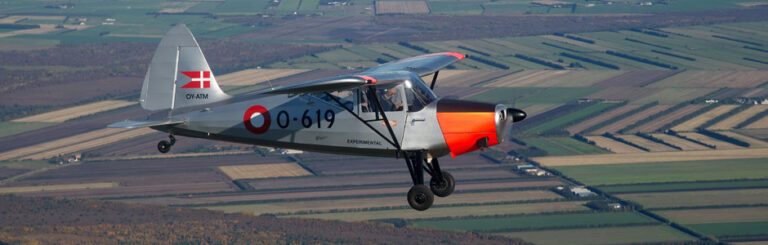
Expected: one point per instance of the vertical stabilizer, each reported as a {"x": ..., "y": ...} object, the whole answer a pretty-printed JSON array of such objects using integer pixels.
[{"x": 179, "y": 75}]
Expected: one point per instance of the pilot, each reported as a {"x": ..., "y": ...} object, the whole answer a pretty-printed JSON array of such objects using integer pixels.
[{"x": 393, "y": 100}]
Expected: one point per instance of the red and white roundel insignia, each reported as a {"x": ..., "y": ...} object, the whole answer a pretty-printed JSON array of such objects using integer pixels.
[{"x": 257, "y": 119}]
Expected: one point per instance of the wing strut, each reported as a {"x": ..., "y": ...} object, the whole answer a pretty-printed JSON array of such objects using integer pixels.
[
  {"x": 434, "y": 80},
  {"x": 363, "y": 121}
]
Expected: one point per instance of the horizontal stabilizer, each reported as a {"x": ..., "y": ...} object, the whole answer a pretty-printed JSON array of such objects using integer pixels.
[{"x": 141, "y": 124}]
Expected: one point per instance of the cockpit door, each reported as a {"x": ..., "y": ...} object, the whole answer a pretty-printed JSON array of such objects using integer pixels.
[{"x": 392, "y": 99}]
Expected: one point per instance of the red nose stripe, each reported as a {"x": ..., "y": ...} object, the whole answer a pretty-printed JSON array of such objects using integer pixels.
[{"x": 461, "y": 130}]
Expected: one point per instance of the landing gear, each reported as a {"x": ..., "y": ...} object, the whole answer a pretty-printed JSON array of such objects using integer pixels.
[
  {"x": 421, "y": 197},
  {"x": 165, "y": 146},
  {"x": 442, "y": 186}
]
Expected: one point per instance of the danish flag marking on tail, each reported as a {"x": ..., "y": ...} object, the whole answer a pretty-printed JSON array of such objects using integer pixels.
[{"x": 199, "y": 79}]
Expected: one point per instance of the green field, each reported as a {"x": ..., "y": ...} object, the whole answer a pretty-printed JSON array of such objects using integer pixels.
[
  {"x": 557, "y": 221},
  {"x": 570, "y": 118},
  {"x": 27, "y": 164},
  {"x": 455, "y": 7},
  {"x": 11, "y": 128},
  {"x": 738, "y": 229},
  {"x": 708, "y": 170},
  {"x": 684, "y": 186},
  {"x": 706, "y": 198},
  {"x": 609, "y": 235},
  {"x": 562, "y": 146}
]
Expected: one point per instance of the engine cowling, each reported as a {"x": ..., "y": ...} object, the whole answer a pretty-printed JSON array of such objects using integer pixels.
[{"x": 468, "y": 126}]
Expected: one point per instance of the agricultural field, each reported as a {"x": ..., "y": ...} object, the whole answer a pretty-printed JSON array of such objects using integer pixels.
[
  {"x": 667, "y": 171},
  {"x": 684, "y": 144},
  {"x": 401, "y": 7},
  {"x": 532, "y": 222},
  {"x": 651, "y": 157},
  {"x": 645, "y": 143},
  {"x": 666, "y": 119},
  {"x": 76, "y": 111},
  {"x": 711, "y": 141},
  {"x": 255, "y": 76},
  {"x": 697, "y": 121},
  {"x": 609, "y": 235},
  {"x": 684, "y": 186},
  {"x": 630, "y": 119},
  {"x": 613, "y": 145},
  {"x": 705, "y": 198},
  {"x": 560, "y": 146},
  {"x": 260, "y": 171},
  {"x": 732, "y": 121}
]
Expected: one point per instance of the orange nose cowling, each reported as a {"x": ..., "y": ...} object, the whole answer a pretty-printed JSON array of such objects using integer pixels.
[{"x": 465, "y": 123}]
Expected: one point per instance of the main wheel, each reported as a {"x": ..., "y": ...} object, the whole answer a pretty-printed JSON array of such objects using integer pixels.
[
  {"x": 164, "y": 146},
  {"x": 420, "y": 197},
  {"x": 442, "y": 187}
]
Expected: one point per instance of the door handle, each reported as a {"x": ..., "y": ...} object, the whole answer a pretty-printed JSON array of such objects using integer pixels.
[{"x": 413, "y": 121}]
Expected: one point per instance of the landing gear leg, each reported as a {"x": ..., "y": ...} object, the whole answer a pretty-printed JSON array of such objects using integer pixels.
[
  {"x": 420, "y": 197},
  {"x": 165, "y": 146}
]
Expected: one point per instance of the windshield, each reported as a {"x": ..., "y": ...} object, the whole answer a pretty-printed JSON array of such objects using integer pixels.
[{"x": 417, "y": 94}]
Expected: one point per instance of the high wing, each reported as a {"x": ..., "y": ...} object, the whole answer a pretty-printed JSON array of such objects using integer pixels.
[{"x": 422, "y": 65}]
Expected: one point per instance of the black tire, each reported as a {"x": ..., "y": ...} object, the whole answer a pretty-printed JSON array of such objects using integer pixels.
[
  {"x": 420, "y": 197},
  {"x": 443, "y": 187},
  {"x": 164, "y": 146}
]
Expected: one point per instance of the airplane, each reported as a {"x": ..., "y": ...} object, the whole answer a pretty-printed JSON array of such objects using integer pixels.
[{"x": 385, "y": 111}]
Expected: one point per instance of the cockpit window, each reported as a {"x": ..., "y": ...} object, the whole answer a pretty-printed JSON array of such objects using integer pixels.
[
  {"x": 390, "y": 98},
  {"x": 417, "y": 94},
  {"x": 345, "y": 97}
]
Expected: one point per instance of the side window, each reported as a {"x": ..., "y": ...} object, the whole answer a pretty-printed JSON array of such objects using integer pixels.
[
  {"x": 346, "y": 97},
  {"x": 390, "y": 97}
]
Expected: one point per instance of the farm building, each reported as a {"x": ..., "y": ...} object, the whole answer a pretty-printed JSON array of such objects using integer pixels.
[{"x": 582, "y": 191}]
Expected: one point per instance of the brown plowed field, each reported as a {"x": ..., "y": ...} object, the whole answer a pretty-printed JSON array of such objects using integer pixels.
[
  {"x": 77, "y": 111},
  {"x": 259, "y": 171},
  {"x": 613, "y": 145},
  {"x": 761, "y": 123},
  {"x": 601, "y": 118},
  {"x": 143, "y": 190},
  {"x": 721, "y": 145},
  {"x": 732, "y": 121},
  {"x": 697, "y": 121},
  {"x": 341, "y": 164},
  {"x": 71, "y": 92},
  {"x": 550, "y": 78},
  {"x": 657, "y": 123},
  {"x": 255, "y": 76},
  {"x": 650, "y": 145},
  {"x": 699, "y": 198},
  {"x": 631, "y": 119},
  {"x": 686, "y": 145},
  {"x": 671, "y": 156}
]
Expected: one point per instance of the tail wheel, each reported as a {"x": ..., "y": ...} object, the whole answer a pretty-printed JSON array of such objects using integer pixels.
[
  {"x": 164, "y": 146},
  {"x": 442, "y": 187},
  {"x": 420, "y": 197}
]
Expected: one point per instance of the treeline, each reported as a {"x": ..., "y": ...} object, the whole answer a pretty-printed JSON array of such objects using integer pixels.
[
  {"x": 622, "y": 116},
  {"x": 674, "y": 133},
  {"x": 723, "y": 137},
  {"x": 577, "y": 38},
  {"x": 647, "y": 43},
  {"x": 591, "y": 61},
  {"x": 488, "y": 62},
  {"x": 649, "y": 32},
  {"x": 640, "y": 59},
  {"x": 755, "y": 60},
  {"x": 414, "y": 47},
  {"x": 687, "y": 117},
  {"x": 756, "y": 49},
  {"x": 657, "y": 140},
  {"x": 19, "y": 26},
  {"x": 673, "y": 55},
  {"x": 613, "y": 137},
  {"x": 539, "y": 61},
  {"x": 737, "y": 40},
  {"x": 473, "y": 50},
  {"x": 752, "y": 119}
]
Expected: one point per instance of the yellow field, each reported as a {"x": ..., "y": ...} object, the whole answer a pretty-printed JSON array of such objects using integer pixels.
[
  {"x": 752, "y": 141},
  {"x": 41, "y": 188},
  {"x": 483, "y": 210},
  {"x": 613, "y": 145},
  {"x": 721, "y": 145},
  {"x": 76, "y": 111},
  {"x": 762, "y": 123},
  {"x": 650, "y": 145},
  {"x": 737, "y": 118},
  {"x": 672, "y": 156},
  {"x": 717, "y": 215},
  {"x": 255, "y": 76},
  {"x": 260, "y": 171},
  {"x": 75, "y": 143},
  {"x": 682, "y": 143},
  {"x": 697, "y": 121}
]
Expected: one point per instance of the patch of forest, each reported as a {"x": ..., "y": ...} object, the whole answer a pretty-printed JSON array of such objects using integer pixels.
[{"x": 74, "y": 221}]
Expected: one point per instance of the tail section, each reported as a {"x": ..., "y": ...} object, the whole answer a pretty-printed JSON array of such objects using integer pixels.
[{"x": 179, "y": 75}]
